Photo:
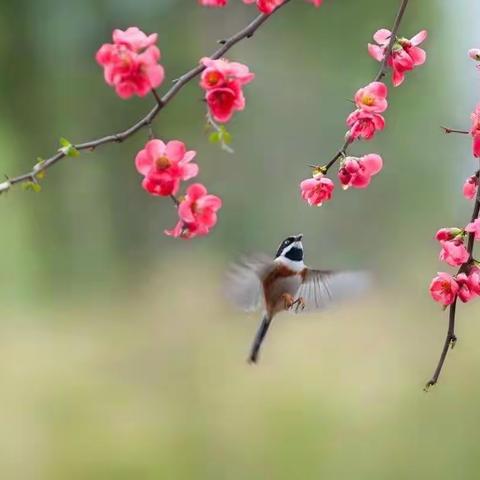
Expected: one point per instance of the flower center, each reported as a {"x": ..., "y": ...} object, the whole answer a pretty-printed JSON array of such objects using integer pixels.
[
  {"x": 162, "y": 162},
  {"x": 446, "y": 287},
  {"x": 404, "y": 42},
  {"x": 213, "y": 78},
  {"x": 368, "y": 100},
  {"x": 195, "y": 208}
]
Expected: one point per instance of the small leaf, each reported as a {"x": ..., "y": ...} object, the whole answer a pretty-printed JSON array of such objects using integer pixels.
[
  {"x": 64, "y": 142},
  {"x": 227, "y": 137},
  {"x": 67, "y": 148},
  {"x": 32, "y": 186},
  {"x": 214, "y": 137}
]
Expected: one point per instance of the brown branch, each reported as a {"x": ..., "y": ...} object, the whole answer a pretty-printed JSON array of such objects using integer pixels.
[
  {"x": 146, "y": 121},
  {"x": 381, "y": 73},
  {"x": 451, "y": 338},
  {"x": 396, "y": 25},
  {"x": 454, "y": 130}
]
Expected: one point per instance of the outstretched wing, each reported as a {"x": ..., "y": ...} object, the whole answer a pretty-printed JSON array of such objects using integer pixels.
[
  {"x": 322, "y": 288},
  {"x": 243, "y": 285}
]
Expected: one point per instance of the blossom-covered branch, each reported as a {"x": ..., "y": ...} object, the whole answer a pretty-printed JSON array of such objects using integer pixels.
[
  {"x": 68, "y": 149},
  {"x": 400, "y": 55},
  {"x": 447, "y": 289}
]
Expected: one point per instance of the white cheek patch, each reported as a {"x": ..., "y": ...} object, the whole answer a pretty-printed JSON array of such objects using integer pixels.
[{"x": 297, "y": 266}]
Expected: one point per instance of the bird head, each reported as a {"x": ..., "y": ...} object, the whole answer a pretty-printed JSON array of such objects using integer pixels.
[{"x": 290, "y": 251}]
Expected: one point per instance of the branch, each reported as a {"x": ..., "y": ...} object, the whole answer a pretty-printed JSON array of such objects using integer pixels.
[
  {"x": 381, "y": 73},
  {"x": 396, "y": 25},
  {"x": 454, "y": 130},
  {"x": 451, "y": 338},
  {"x": 146, "y": 121}
]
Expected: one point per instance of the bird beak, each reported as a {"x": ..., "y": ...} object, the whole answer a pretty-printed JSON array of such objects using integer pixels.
[{"x": 299, "y": 237}]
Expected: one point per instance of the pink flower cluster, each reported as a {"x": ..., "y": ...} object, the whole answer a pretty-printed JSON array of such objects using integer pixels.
[
  {"x": 130, "y": 63},
  {"x": 445, "y": 288},
  {"x": 264, "y": 6},
  {"x": 367, "y": 119},
  {"x": 164, "y": 166},
  {"x": 465, "y": 285},
  {"x": 406, "y": 54},
  {"x": 371, "y": 101},
  {"x": 223, "y": 83}
]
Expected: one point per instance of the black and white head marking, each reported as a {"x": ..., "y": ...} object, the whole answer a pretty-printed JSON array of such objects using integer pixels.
[{"x": 290, "y": 252}]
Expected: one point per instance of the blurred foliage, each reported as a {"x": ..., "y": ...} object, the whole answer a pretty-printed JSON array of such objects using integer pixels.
[{"x": 111, "y": 361}]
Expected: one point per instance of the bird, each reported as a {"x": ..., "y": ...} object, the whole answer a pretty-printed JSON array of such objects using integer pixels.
[{"x": 287, "y": 284}]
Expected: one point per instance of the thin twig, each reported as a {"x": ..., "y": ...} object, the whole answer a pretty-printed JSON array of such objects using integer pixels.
[
  {"x": 393, "y": 37},
  {"x": 119, "y": 137},
  {"x": 451, "y": 339},
  {"x": 381, "y": 73},
  {"x": 454, "y": 130}
]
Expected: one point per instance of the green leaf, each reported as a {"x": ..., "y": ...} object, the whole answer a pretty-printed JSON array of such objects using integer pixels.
[
  {"x": 32, "y": 186},
  {"x": 227, "y": 137},
  {"x": 214, "y": 137},
  {"x": 67, "y": 148}
]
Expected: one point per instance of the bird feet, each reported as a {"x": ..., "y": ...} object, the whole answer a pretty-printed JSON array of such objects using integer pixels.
[{"x": 289, "y": 302}]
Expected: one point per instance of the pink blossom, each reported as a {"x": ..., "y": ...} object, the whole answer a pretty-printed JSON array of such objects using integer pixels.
[
  {"x": 223, "y": 81},
  {"x": 265, "y": 6},
  {"x": 444, "y": 289},
  {"x": 447, "y": 234},
  {"x": 134, "y": 39},
  {"x": 465, "y": 290},
  {"x": 131, "y": 63},
  {"x": 470, "y": 187},
  {"x": 364, "y": 124},
  {"x": 222, "y": 72},
  {"x": 358, "y": 172},
  {"x": 317, "y": 190},
  {"x": 268, "y": 6},
  {"x": 474, "y": 54},
  {"x": 474, "y": 228},
  {"x": 475, "y": 131},
  {"x": 213, "y": 3},
  {"x": 454, "y": 252},
  {"x": 197, "y": 213},
  {"x": 405, "y": 56},
  {"x": 372, "y": 98},
  {"x": 474, "y": 279},
  {"x": 223, "y": 102},
  {"x": 164, "y": 166}
]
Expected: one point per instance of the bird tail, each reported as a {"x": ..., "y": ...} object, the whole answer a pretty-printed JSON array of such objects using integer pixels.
[{"x": 259, "y": 337}]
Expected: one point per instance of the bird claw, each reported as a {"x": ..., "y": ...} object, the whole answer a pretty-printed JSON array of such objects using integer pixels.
[
  {"x": 290, "y": 303},
  {"x": 299, "y": 304}
]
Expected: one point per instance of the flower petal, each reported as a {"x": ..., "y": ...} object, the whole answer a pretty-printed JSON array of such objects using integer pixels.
[
  {"x": 196, "y": 191},
  {"x": 419, "y": 38},
  {"x": 175, "y": 150},
  {"x": 382, "y": 36},
  {"x": 143, "y": 162}
]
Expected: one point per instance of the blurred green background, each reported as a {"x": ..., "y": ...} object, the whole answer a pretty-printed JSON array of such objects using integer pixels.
[{"x": 119, "y": 358}]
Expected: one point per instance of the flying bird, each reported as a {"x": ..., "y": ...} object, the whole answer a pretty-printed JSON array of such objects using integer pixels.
[{"x": 287, "y": 284}]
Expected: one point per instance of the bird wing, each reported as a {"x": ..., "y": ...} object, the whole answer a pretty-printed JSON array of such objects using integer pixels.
[
  {"x": 322, "y": 288},
  {"x": 243, "y": 286}
]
